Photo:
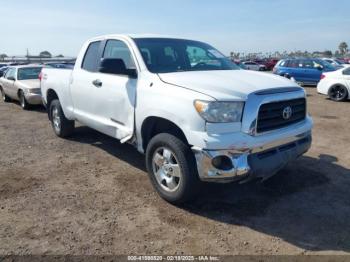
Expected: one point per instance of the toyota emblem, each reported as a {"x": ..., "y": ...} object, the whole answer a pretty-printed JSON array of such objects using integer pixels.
[{"x": 287, "y": 112}]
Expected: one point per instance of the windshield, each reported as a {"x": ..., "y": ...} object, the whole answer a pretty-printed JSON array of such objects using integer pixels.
[
  {"x": 163, "y": 55},
  {"x": 28, "y": 73}
]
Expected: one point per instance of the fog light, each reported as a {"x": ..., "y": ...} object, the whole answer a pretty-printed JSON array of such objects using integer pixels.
[{"x": 222, "y": 162}]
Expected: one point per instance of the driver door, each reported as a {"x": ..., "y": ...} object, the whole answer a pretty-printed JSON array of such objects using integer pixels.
[
  {"x": 104, "y": 101},
  {"x": 117, "y": 94}
]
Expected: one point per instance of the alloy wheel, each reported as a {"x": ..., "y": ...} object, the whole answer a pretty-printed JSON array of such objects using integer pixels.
[
  {"x": 166, "y": 169},
  {"x": 56, "y": 120},
  {"x": 337, "y": 92}
]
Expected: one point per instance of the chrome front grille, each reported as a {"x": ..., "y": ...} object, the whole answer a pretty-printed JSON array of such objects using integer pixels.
[{"x": 280, "y": 114}]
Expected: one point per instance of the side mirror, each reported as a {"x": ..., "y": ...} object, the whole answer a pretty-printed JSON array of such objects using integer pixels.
[
  {"x": 11, "y": 78},
  {"x": 116, "y": 66}
]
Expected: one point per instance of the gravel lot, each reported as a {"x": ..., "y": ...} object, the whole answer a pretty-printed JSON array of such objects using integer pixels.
[{"x": 91, "y": 195}]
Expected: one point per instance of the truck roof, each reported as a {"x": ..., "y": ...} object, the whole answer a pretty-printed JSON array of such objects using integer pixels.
[{"x": 135, "y": 36}]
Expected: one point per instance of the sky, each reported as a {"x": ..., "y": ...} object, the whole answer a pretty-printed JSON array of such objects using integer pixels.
[{"x": 61, "y": 27}]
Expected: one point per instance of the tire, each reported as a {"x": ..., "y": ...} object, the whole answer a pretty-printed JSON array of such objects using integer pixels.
[
  {"x": 5, "y": 98},
  {"x": 172, "y": 168},
  {"x": 22, "y": 101},
  {"x": 60, "y": 124},
  {"x": 338, "y": 93}
]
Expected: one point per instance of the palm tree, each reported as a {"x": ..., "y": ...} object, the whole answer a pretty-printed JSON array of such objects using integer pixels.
[
  {"x": 3, "y": 56},
  {"x": 343, "y": 48}
]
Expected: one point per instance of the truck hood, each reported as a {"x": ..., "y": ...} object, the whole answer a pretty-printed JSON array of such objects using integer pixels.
[{"x": 226, "y": 84}]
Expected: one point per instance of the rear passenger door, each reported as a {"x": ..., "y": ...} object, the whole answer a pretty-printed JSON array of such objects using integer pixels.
[
  {"x": 83, "y": 91},
  {"x": 296, "y": 70},
  {"x": 311, "y": 74}
]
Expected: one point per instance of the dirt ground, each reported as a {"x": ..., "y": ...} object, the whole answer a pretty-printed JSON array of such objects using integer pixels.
[{"x": 91, "y": 195}]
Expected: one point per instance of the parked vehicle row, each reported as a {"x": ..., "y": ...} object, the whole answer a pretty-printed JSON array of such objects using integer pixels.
[{"x": 336, "y": 62}]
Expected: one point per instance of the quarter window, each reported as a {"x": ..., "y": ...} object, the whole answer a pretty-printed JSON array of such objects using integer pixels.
[
  {"x": 284, "y": 63},
  {"x": 91, "y": 57},
  {"x": 118, "y": 49}
]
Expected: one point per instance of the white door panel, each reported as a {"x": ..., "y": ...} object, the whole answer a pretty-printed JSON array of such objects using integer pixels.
[
  {"x": 104, "y": 101},
  {"x": 83, "y": 95},
  {"x": 116, "y": 102}
]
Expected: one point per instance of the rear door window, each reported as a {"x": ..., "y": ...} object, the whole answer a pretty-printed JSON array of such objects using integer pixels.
[
  {"x": 90, "y": 61},
  {"x": 294, "y": 63}
]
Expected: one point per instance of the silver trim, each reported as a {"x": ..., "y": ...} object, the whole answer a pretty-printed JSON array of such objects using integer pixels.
[
  {"x": 252, "y": 107},
  {"x": 239, "y": 158}
]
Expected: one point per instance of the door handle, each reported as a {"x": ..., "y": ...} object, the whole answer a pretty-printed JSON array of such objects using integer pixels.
[{"x": 97, "y": 83}]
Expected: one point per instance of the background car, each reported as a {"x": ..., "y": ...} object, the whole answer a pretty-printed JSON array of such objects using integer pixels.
[
  {"x": 250, "y": 65},
  {"x": 22, "y": 83},
  {"x": 335, "y": 84},
  {"x": 270, "y": 63},
  {"x": 336, "y": 62},
  {"x": 240, "y": 64},
  {"x": 3, "y": 70},
  {"x": 305, "y": 71}
]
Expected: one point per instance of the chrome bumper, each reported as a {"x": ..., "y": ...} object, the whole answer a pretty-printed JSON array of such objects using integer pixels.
[
  {"x": 263, "y": 161},
  {"x": 33, "y": 99}
]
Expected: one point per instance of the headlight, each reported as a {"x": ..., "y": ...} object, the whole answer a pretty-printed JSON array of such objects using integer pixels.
[{"x": 220, "y": 112}]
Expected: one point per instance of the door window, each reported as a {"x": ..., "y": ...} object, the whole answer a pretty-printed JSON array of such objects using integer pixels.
[
  {"x": 90, "y": 61},
  {"x": 294, "y": 63},
  {"x": 118, "y": 49},
  {"x": 11, "y": 73},
  {"x": 308, "y": 64}
]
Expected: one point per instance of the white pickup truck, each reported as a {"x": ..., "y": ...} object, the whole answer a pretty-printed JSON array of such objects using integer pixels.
[{"x": 195, "y": 115}]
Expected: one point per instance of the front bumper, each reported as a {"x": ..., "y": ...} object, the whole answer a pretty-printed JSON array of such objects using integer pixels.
[{"x": 262, "y": 162}]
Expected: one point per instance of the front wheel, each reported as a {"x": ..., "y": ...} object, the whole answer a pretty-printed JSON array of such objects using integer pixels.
[
  {"x": 172, "y": 168},
  {"x": 5, "y": 98},
  {"x": 60, "y": 124},
  {"x": 338, "y": 93}
]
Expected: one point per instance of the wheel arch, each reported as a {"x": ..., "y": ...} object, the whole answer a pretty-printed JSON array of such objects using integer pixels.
[
  {"x": 18, "y": 91},
  {"x": 154, "y": 125}
]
